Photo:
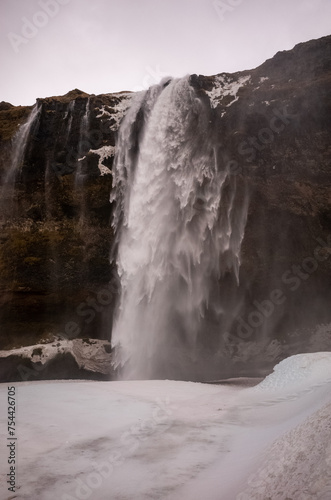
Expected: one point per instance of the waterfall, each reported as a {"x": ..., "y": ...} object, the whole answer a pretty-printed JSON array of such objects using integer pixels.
[
  {"x": 19, "y": 149},
  {"x": 70, "y": 115},
  {"x": 179, "y": 220},
  {"x": 83, "y": 147},
  {"x": 84, "y": 143}
]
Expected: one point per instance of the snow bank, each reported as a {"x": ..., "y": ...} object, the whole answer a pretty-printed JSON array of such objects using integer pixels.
[
  {"x": 300, "y": 370},
  {"x": 298, "y": 464},
  {"x": 176, "y": 440}
]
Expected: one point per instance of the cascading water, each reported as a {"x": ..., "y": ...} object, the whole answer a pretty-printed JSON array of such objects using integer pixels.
[
  {"x": 20, "y": 144},
  {"x": 70, "y": 115},
  {"x": 82, "y": 148},
  {"x": 180, "y": 226},
  {"x": 84, "y": 143}
]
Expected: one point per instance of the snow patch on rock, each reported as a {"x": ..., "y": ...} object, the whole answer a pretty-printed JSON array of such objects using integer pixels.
[
  {"x": 89, "y": 354},
  {"x": 103, "y": 112},
  {"x": 120, "y": 109},
  {"x": 225, "y": 87},
  {"x": 103, "y": 153}
]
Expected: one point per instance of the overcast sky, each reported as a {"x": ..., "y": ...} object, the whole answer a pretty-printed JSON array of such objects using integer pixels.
[{"x": 49, "y": 47}]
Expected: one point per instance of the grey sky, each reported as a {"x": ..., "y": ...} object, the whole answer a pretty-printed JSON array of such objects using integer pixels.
[{"x": 102, "y": 46}]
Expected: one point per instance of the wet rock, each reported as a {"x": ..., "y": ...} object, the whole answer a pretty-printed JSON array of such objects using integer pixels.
[{"x": 272, "y": 125}]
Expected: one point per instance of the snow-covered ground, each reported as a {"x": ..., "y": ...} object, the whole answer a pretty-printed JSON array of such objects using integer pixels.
[{"x": 149, "y": 440}]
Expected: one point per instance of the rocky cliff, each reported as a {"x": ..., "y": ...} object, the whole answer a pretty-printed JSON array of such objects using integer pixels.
[
  {"x": 56, "y": 232},
  {"x": 272, "y": 125}
]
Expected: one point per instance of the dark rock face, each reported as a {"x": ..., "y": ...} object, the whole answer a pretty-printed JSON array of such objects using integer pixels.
[
  {"x": 273, "y": 128},
  {"x": 56, "y": 233},
  {"x": 274, "y": 140},
  {"x": 5, "y": 106}
]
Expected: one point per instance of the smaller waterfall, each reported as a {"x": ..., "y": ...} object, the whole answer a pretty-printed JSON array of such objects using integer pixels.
[
  {"x": 180, "y": 221},
  {"x": 19, "y": 149},
  {"x": 71, "y": 109},
  {"x": 82, "y": 149},
  {"x": 84, "y": 144}
]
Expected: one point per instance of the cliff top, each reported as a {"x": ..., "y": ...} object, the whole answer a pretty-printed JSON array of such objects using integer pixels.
[
  {"x": 5, "y": 106},
  {"x": 306, "y": 60},
  {"x": 10, "y": 119},
  {"x": 69, "y": 96},
  {"x": 79, "y": 94}
]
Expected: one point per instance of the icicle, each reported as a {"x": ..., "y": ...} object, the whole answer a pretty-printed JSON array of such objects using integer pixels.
[{"x": 175, "y": 235}]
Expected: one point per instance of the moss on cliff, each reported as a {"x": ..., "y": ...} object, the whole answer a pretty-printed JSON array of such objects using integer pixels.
[{"x": 10, "y": 120}]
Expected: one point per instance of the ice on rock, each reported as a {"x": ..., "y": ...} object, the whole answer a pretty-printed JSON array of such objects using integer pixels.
[
  {"x": 120, "y": 109},
  {"x": 104, "y": 152},
  {"x": 225, "y": 87}
]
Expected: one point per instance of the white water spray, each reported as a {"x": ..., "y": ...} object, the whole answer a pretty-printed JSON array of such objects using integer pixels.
[
  {"x": 84, "y": 143},
  {"x": 180, "y": 226},
  {"x": 70, "y": 114},
  {"x": 19, "y": 147}
]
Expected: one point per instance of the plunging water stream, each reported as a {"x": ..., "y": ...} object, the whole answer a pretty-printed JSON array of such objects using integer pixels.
[
  {"x": 180, "y": 226},
  {"x": 20, "y": 144}
]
